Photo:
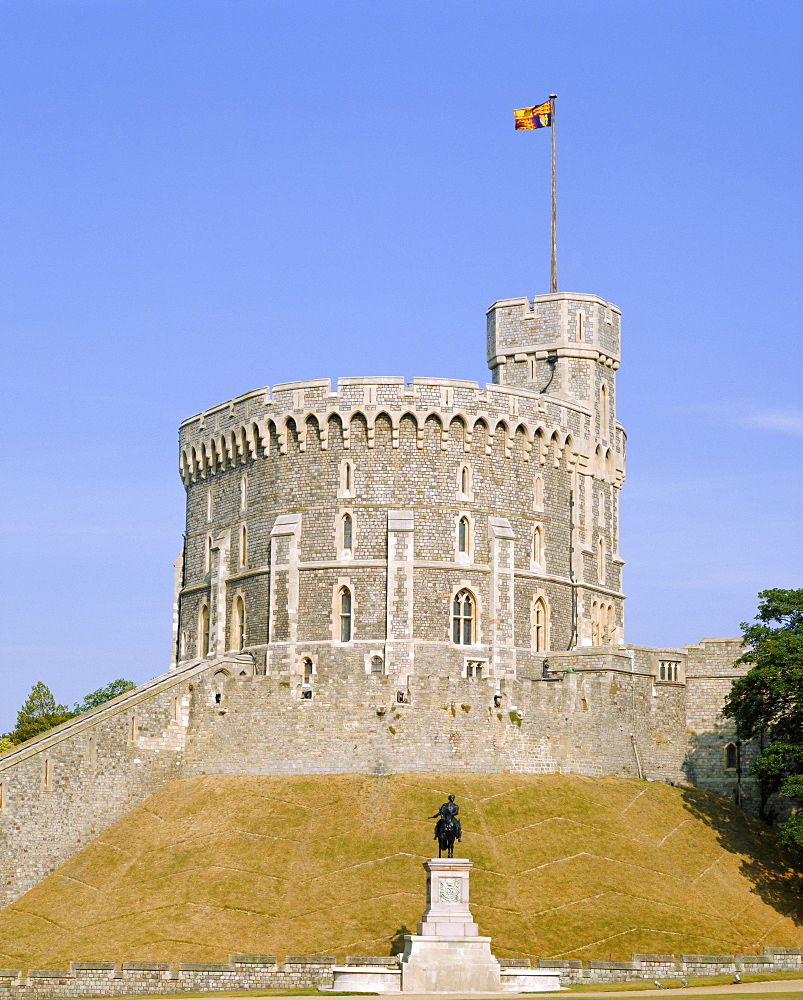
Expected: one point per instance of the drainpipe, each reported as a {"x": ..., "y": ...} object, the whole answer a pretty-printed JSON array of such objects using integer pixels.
[{"x": 635, "y": 752}]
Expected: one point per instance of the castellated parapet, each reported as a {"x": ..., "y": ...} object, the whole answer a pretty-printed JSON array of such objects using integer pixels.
[
  {"x": 404, "y": 501},
  {"x": 393, "y": 577}
]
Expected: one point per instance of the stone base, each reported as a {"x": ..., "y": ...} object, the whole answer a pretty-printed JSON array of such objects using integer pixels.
[
  {"x": 366, "y": 979},
  {"x": 439, "y": 964}
]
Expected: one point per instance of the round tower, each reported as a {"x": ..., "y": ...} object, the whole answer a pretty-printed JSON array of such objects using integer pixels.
[{"x": 436, "y": 527}]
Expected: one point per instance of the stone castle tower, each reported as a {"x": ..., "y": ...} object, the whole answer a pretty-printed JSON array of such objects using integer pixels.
[
  {"x": 437, "y": 527},
  {"x": 396, "y": 576}
]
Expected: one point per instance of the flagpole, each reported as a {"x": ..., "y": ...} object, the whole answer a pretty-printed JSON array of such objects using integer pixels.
[{"x": 553, "y": 278}]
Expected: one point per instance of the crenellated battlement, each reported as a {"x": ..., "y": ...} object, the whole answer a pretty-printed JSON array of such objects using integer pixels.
[{"x": 230, "y": 433}]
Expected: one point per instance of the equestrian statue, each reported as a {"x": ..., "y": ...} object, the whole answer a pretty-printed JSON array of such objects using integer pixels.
[{"x": 448, "y": 828}]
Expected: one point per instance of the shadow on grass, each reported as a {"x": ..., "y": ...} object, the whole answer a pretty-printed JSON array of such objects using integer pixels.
[{"x": 769, "y": 868}]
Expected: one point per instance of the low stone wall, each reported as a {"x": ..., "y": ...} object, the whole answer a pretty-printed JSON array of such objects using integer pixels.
[
  {"x": 652, "y": 965},
  {"x": 244, "y": 972},
  {"x": 101, "y": 979}
]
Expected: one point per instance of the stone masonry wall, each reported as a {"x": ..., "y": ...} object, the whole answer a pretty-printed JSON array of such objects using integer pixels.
[
  {"x": 242, "y": 972},
  {"x": 594, "y": 711},
  {"x": 65, "y": 787}
]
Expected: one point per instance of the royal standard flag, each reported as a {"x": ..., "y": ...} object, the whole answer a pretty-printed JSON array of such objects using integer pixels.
[{"x": 537, "y": 117}]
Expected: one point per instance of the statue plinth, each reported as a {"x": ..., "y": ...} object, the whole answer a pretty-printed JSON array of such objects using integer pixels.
[{"x": 447, "y": 955}]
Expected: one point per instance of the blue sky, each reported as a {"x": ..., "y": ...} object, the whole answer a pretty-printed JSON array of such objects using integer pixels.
[{"x": 199, "y": 198}]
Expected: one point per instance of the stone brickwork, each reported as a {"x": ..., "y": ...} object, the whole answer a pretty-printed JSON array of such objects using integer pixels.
[
  {"x": 242, "y": 972},
  {"x": 396, "y": 577}
]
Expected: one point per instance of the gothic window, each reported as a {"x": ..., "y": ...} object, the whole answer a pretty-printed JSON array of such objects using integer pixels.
[
  {"x": 538, "y": 493},
  {"x": 377, "y": 665},
  {"x": 538, "y": 546},
  {"x": 203, "y": 631},
  {"x": 595, "y": 630},
  {"x": 244, "y": 492},
  {"x": 603, "y": 411},
  {"x": 346, "y": 486},
  {"x": 539, "y": 625},
  {"x": 731, "y": 756},
  {"x": 238, "y": 625},
  {"x": 464, "y": 483},
  {"x": 243, "y": 545},
  {"x": 463, "y": 618},
  {"x": 347, "y": 532},
  {"x": 345, "y": 615},
  {"x": 474, "y": 668},
  {"x": 601, "y": 560},
  {"x": 462, "y": 535}
]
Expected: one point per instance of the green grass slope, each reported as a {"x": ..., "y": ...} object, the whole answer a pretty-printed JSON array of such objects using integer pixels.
[{"x": 566, "y": 866}]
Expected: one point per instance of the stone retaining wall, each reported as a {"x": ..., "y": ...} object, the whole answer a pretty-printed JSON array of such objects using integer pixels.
[{"x": 244, "y": 972}]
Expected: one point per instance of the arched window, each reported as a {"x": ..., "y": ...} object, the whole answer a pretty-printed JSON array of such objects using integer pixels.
[
  {"x": 464, "y": 481},
  {"x": 377, "y": 665},
  {"x": 203, "y": 631},
  {"x": 538, "y": 493},
  {"x": 306, "y": 666},
  {"x": 463, "y": 618},
  {"x": 347, "y": 533},
  {"x": 603, "y": 410},
  {"x": 243, "y": 545},
  {"x": 539, "y": 622},
  {"x": 731, "y": 756},
  {"x": 601, "y": 560},
  {"x": 662, "y": 673},
  {"x": 345, "y": 615},
  {"x": 462, "y": 534},
  {"x": 244, "y": 492},
  {"x": 538, "y": 546},
  {"x": 238, "y": 624},
  {"x": 347, "y": 478}
]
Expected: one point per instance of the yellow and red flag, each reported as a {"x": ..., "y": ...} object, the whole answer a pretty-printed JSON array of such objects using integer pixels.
[{"x": 538, "y": 117}]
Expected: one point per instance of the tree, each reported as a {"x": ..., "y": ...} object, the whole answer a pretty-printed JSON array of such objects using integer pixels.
[
  {"x": 39, "y": 712},
  {"x": 767, "y": 703},
  {"x": 102, "y": 695}
]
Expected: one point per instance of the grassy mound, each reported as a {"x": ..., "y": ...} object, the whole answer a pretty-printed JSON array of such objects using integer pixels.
[{"x": 566, "y": 867}]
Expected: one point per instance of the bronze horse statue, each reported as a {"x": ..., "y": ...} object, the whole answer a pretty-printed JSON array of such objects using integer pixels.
[
  {"x": 446, "y": 834},
  {"x": 448, "y": 829}
]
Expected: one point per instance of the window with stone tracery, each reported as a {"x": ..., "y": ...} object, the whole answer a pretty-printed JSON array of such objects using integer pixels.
[
  {"x": 539, "y": 625},
  {"x": 463, "y": 618},
  {"x": 345, "y": 615}
]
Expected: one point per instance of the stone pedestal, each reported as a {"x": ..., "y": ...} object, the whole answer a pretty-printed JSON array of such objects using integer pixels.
[{"x": 447, "y": 955}]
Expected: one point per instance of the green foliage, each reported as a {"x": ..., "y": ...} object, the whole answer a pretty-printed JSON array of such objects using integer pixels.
[
  {"x": 39, "y": 712},
  {"x": 102, "y": 695},
  {"x": 767, "y": 703}
]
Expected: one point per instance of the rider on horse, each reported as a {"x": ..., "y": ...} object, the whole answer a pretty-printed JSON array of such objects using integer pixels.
[{"x": 448, "y": 809}]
